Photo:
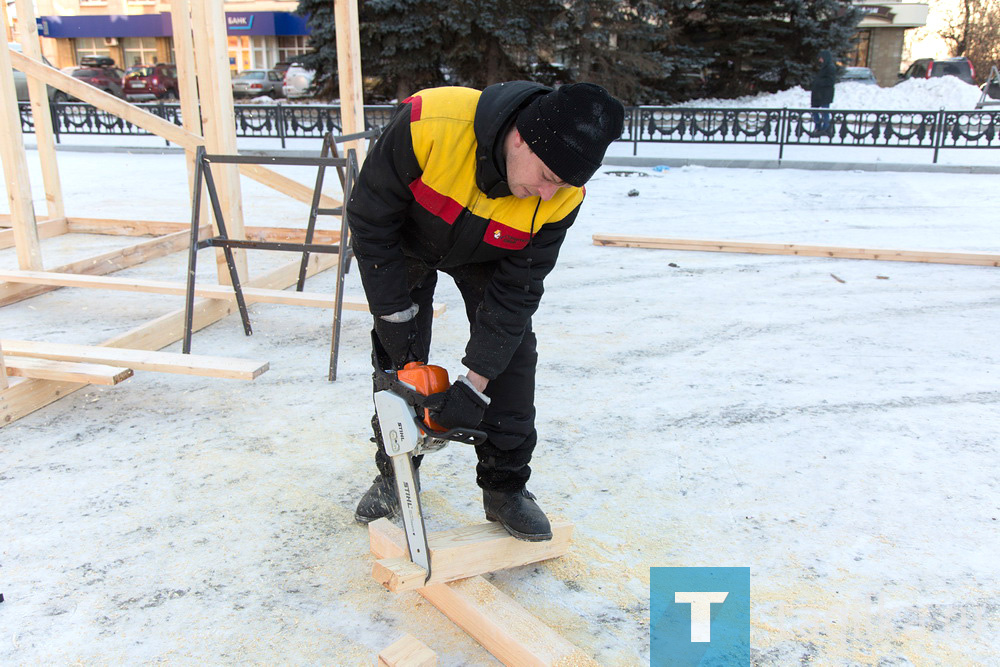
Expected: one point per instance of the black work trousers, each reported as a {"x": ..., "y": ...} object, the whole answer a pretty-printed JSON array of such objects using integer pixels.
[{"x": 509, "y": 421}]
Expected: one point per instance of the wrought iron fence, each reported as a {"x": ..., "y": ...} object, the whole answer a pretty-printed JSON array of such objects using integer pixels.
[
  {"x": 800, "y": 127},
  {"x": 935, "y": 130}
]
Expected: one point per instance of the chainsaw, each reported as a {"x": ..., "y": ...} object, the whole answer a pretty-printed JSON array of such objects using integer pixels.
[{"x": 407, "y": 431}]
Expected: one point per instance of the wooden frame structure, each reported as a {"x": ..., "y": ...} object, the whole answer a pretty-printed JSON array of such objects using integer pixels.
[{"x": 206, "y": 106}]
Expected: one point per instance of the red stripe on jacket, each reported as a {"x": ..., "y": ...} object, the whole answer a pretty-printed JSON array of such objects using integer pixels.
[
  {"x": 440, "y": 205},
  {"x": 502, "y": 236},
  {"x": 416, "y": 106}
]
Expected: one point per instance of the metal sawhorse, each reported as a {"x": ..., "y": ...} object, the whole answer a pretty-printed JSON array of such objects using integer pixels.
[{"x": 347, "y": 168}]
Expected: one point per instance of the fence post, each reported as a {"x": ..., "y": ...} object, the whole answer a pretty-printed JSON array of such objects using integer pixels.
[
  {"x": 635, "y": 131},
  {"x": 55, "y": 111},
  {"x": 279, "y": 118},
  {"x": 782, "y": 126},
  {"x": 938, "y": 133}
]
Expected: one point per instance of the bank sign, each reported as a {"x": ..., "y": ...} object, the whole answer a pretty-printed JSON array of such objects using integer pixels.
[
  {"x": 699, "y": 616},
  {"x": 250, "y": 23}
]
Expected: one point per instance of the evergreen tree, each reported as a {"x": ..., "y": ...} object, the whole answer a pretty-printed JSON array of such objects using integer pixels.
[
  {"x": 761, "y": 46},
  {"x": 402, "y": 45},
  {"x": 619, "y": 45},
  {"x": 496, "y": 40}
]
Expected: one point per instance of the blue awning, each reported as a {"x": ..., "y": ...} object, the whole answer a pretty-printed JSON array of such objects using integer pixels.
[{"x": 158, "y": 25}]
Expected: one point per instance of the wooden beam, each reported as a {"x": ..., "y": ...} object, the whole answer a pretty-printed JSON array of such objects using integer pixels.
[
  {"x": 143, "y": 360},
  {"x": 29, "y": 395},
  {"x": 146, "y": 227},
  {"x": 105, "y": 101},
  {"x": 407, "y": 651},
  {"x": 15, "y": 169},
  {"x": 40, "y": 114},
  {"x": 252, "y": 294},
  {"x": 163, "y": 128},
  {"x": 470, "y": 550},
  {"x": 215, "y": 87},
  {"x": 285, "y": 185},
  {"x": 352, "y": 101},
  {"x": 3, "y": 371},
  {"x": 66, "y": 371},
  {"x": 46, "y": 230},
  {"x": 491, "y": 617},
  {"x": 99, "y": 265},
  {"x": 753, "y": 247}
]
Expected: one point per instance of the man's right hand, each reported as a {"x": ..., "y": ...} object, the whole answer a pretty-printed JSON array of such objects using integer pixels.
[{"x": 399, "y": 337}]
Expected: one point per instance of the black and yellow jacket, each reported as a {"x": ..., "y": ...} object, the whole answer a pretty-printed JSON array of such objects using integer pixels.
[{"x": 434, "y": 188}]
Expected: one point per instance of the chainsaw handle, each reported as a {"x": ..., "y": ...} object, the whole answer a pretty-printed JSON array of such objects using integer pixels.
[{"x": 466, "y": 436}]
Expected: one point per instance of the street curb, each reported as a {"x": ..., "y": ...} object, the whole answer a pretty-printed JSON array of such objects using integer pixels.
[
  {"x": 617, "y": 161},
  {"x": 801, "y": 164}
]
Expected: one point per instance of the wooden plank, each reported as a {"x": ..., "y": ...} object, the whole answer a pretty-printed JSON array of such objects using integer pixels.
[
  {"x": 46, "y": 230},
  {"x": 113, "y": 227},
  {"x": 753, "y": 247},
  {"x": 252, "y": 294},
  {"x": 470, "y": 550},
  {"x": 352, "y": 102},
  {"x": 218, "y": 121},
  {"x": 105, "y": 101},
  {"x": 3, "y": 371},
  {"x": 407, "y": 651},
  {"x": 490, "y": 616},
  {"x": 27, "y": 396},
  {"x": 144, "y": 360},
  {"x": 283, "y": 184},
  {"x": 163, "y": 128},
  {"x": 15, "y": 169},
  {"x": 66, "y": 371},
  {"x": 99, "y": 265},
  {"x": 42, "y": 118},
  {"x": 147, "y": 227}
]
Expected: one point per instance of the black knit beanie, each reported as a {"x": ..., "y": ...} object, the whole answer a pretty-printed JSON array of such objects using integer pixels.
[{"x": 570, "y": 129}]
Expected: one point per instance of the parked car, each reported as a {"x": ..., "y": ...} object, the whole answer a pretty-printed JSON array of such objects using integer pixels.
[
  {"x": 105, "y": 78},
  {"x": 857, "y": 75},
  {"x": 298, "y": 81},
  {"x": 925, "y": 68},
  {"x": 257, "y": 82},
  {"x": 21, "y": 81},
  {"x": 151, "y": 82}
]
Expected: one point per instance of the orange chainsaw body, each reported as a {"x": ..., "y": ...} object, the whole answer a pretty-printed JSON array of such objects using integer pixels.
[{"x": 426, "y": 380}]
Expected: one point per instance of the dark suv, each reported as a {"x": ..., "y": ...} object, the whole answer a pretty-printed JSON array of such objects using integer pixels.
[
  {"x": 151, "y": 82},
  {"x": 925, "y": 68}
]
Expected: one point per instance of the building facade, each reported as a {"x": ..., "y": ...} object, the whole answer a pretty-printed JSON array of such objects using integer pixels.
[
  {"x": 880, "y": 36},
  {"x": 261, "y": 33}
]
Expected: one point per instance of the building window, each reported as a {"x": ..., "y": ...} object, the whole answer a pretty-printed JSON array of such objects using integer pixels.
[
  {"x": 260, "y": 52},
  {"x": 139, "y": 51},
  {"x": 290, "y": 46},
  {"x": 858, "y": 57},
  {"x": 90, "y": 46},
  {"x": 239, "y": 53}
]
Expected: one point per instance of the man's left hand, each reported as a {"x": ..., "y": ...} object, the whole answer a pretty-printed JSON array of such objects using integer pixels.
[{"x": 461, "y": 405}]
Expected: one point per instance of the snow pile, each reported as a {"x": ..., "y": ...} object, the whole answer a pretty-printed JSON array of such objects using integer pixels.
[{"x": 946, "y": 92}]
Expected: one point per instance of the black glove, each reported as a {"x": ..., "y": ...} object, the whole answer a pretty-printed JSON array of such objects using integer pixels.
[
  {"x": 399, "y": 340},
  {"x": 460, "y": 405}
]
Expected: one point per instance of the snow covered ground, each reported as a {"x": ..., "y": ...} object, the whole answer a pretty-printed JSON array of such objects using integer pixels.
[{"x": 838, "y": 437}]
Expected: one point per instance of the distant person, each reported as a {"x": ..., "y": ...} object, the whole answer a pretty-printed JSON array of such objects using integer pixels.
[{"x": 822, "y": 91}]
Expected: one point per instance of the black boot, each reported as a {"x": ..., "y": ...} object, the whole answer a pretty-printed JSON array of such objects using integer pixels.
[
  {"x": 518, "y": 513},
  {"x": 381, "y": 500}
]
